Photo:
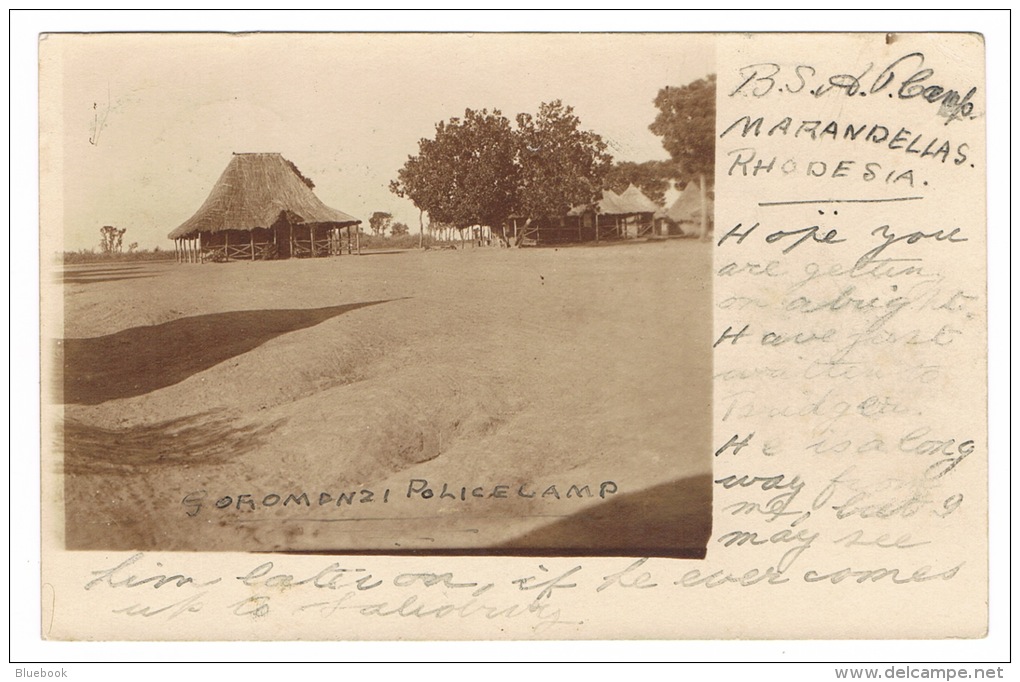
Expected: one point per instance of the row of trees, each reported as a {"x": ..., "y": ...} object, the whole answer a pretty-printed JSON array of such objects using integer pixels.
[{"x": 481, "y": 170}]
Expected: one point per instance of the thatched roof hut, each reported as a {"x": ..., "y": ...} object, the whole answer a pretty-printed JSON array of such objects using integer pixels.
[
  {"x": 627, "y": 215},
  {"x": 261, "y": 207},
  {"x": 631, "y": 201},
  {"x": 685, "y": 212},
  {"x": 614, "y": 216}
]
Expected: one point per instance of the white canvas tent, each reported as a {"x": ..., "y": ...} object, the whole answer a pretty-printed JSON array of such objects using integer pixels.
[{"x": 686, "y": 211}]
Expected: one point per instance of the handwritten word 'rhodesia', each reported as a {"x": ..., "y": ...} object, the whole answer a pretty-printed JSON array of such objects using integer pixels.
[{"x": 868, "y": 171}]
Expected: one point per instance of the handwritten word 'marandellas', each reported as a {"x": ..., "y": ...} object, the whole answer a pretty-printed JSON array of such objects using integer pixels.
[{"x": 926, "y": 147}]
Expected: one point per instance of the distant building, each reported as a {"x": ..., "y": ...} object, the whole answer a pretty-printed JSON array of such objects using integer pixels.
[
  {"x": 262, "y": 208},
  {"x": 683, "y": 217},
  {"x": 627, "y": 215}
]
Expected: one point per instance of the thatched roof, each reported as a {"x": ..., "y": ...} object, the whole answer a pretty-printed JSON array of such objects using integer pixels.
[
  {"x": 630, "y": 202},
  {"x": 257, "y": 190},
  {"x": 633, "y": 200},
  {"x": 687, "y": 207}
]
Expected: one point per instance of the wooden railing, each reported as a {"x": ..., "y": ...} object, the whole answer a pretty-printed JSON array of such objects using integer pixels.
[
  {"x": 331, "y": 243},
  {"x": 305, "y": 248},
  {"x": 249, "y": 251}
]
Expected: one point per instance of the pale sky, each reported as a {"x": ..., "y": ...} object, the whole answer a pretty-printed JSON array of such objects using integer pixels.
[{"x": 149, "y": 121}]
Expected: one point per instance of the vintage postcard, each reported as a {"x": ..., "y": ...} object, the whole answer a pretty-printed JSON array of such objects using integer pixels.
[{"x": 513, "y": 336}]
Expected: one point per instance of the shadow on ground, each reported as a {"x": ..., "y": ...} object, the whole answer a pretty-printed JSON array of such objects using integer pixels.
[
  {"x": 96, "y": 280},
  {"x": 669, "y": 520},
  {"x": 95, "y": 275},
  {"x": 136, "y": 361},
  {"x": 206, "y": 438},
  {"x": 112, "y": 476},
  {"x": 92, "y": 270},
  {"x": 384, "y": 253}
]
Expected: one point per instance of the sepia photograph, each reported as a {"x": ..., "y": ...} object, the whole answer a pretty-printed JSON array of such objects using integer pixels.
[
  {"x": 416, "y": 333},
  {"x": 423, "y": 294}
]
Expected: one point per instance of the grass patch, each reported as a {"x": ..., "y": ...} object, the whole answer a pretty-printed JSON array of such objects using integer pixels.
[{"x": 84, "y": 256}]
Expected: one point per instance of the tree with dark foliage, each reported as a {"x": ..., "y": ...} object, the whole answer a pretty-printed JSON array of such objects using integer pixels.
[
  {"x": 379, "y": 221},
  {"x": 561, "y": 165},
  {"x": 466, "y": 175},
  {"x": 686, "y": 123},
  {"x": 479, "y": 171},
  {"x": 112, "y": 239}
]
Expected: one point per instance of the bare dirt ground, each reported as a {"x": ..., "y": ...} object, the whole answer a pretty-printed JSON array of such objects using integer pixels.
[{"x": 563, "y": 396}]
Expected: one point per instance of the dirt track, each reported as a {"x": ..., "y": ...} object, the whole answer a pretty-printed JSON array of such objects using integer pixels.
[{"x": 508, "y": 375}]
